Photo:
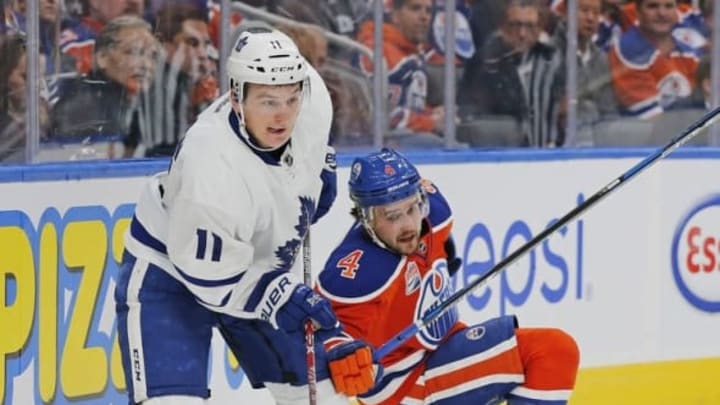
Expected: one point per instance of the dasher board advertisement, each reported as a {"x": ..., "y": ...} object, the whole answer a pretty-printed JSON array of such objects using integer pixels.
[{"x": 636, "y": 280}]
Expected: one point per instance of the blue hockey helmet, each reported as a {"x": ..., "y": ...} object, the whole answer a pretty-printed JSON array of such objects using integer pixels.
[{"x": 382, "y": 178}]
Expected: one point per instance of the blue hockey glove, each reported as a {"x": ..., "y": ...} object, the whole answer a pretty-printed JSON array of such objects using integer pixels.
[
  {"x": 304, "y": 303},
  {"x": 352, "y": 367}
]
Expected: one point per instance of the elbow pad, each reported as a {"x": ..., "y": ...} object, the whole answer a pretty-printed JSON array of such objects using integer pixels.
[{"x": 329, "y": 187}]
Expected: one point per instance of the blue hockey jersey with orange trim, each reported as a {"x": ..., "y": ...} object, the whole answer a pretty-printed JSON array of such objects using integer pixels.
[
  {"x": 689, "y": 29},
  {"x": 407, "y": 78},
  {"x": 376, "y": 293},
  {"x": 78, "y": 41}
]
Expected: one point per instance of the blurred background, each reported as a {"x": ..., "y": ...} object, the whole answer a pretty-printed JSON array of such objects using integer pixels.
[{"x": 122, "y": 79}]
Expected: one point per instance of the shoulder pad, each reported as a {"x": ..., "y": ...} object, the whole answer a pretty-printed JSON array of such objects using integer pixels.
[
  {"x": 358, "y": 270},
  {"x": 440, "y": 210},
  {"x": 634, "y": 50}
]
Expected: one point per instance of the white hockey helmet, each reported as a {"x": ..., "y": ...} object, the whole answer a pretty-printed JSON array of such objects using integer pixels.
[{"x": 264, "y": 56}]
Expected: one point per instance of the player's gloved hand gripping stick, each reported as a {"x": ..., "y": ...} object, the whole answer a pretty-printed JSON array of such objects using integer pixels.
[
  {"x": 350, "y": 361},
  {"x": 299, "y": 308},
  {"x": 660, "y": 153},
  {"x": 353, "y": 369},
  {"x": 301, "y": 305}
]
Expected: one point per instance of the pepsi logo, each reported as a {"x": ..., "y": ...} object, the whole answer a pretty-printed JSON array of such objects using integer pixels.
[{"x": 696, "y": 255}]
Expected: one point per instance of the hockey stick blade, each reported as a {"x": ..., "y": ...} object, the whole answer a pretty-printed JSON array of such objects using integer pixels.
[{"x": 649, "y": 161}]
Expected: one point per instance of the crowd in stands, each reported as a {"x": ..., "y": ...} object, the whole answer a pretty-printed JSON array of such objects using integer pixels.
[{"x": 137, "y": 72}]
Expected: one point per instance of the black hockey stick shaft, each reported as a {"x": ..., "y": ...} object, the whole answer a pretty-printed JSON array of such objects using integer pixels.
[{"x": 631, "y": 173}]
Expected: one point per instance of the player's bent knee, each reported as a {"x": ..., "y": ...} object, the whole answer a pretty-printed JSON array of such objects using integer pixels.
[
  {"x": 566, "y": 348},
  {"x": 174, "y": 400},
  {"x": 550, "y": 356}
]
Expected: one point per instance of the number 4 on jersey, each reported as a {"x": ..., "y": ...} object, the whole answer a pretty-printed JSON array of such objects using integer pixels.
[{"x": 350, "y": 263}]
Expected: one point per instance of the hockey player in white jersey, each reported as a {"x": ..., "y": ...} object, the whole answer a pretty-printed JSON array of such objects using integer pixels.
[{"x": 214, "y": 242}]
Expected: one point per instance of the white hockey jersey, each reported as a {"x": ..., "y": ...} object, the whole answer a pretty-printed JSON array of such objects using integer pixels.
[{"x": 225, "y": 220}]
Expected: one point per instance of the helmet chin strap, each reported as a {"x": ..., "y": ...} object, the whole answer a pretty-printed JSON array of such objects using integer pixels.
[
  {"x": 248, "y": 136},
  {"x": 366, "y": 218}
]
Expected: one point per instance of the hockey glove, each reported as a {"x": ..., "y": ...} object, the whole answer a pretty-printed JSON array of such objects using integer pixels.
[
  {"x": 304, "y": 303},
  {"x": 352, "y": 369},
  {"x": 453, "y": 261}
]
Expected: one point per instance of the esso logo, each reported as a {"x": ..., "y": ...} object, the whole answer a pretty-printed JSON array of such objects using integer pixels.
[{"x": 696, "y": 255}]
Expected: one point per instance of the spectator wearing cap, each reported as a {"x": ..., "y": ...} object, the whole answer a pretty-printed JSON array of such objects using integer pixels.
[{"x": 405, "y": 38}]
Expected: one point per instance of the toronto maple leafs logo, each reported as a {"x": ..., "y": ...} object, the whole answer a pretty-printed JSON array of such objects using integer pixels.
[
  {"x": 314, "y": 299},
  {"x": 240, "y": 44},
  {"x": 307, "y": 211},
  {"x": 287, "y": 253}
]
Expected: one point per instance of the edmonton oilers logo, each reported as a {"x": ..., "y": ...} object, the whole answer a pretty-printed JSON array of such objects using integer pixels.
[{"x": 696, "y": 255}]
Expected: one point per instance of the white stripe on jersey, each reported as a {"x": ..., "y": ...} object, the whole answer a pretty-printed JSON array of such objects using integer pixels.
[
  {"x": 475, "y": 384},
  {"x": 501, "y": 347},
  {"x": 550, "y": 395},
  {"x": 134, "y": 331},
  {"x": 408, "y": 364}
]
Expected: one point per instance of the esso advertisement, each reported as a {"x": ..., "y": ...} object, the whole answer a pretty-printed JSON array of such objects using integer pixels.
[
  {"x": 552, "y": 271},
  {"x": 696, "y": 255}
]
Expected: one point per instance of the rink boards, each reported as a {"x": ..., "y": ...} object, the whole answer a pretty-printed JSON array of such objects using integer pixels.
[{"x": 636, "y": 280}]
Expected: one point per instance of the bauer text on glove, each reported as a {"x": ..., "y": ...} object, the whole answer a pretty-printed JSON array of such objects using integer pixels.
[{"x": 287, "y": 303}]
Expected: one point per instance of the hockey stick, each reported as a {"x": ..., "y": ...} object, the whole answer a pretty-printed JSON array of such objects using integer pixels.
[
  {"x": 436, "y": 312},
  {"x": 309, "y": 328}
]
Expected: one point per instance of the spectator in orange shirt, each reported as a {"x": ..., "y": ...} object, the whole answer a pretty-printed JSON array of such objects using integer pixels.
[
  {"x": 618, "y": 16},
  {"x": 351, "y": 114},
  {"x": 78, "y": 40},
  {"x": 405, "y": 38},
  {"x": 652, "y": 70}
]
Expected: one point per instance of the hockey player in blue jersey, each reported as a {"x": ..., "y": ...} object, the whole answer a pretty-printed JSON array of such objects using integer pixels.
[
  {"x": 214, "y": 241},
  {"x": 394, "y": 264}
]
